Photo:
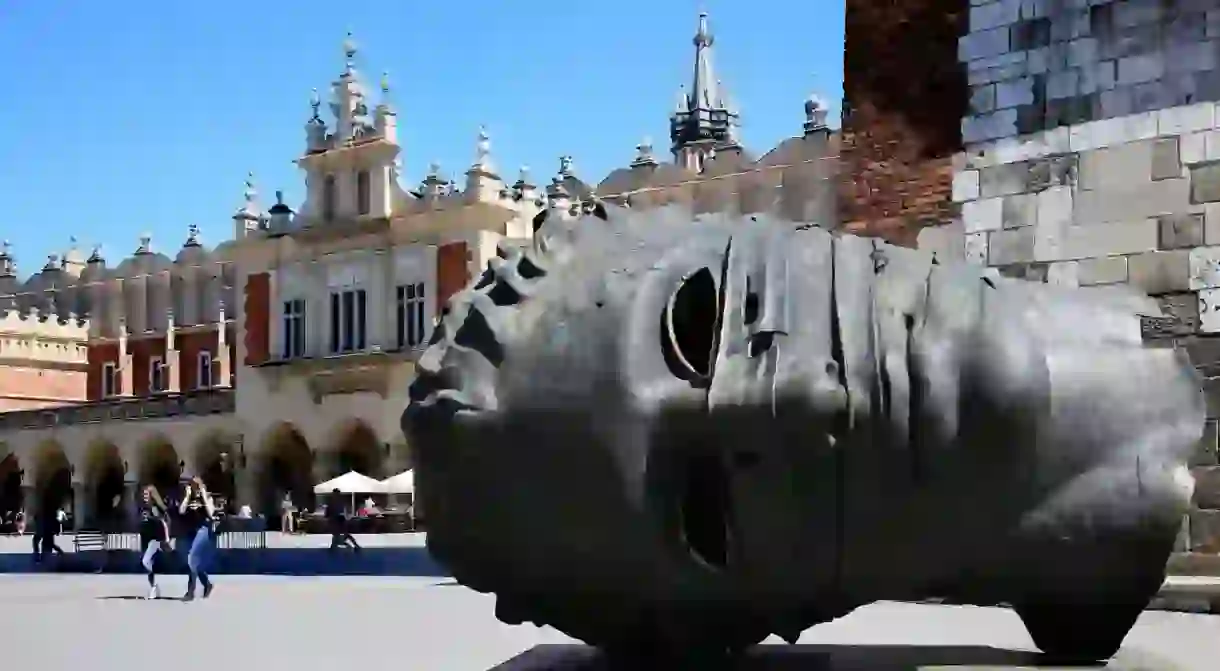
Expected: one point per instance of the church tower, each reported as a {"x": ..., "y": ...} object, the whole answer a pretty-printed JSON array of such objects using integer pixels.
[
  {"x": 350, "y": 165},
  {"x": 705, "y": 119}
]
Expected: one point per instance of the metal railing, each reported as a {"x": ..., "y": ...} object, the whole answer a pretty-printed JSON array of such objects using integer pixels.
[{"x": 236, "y": 539}]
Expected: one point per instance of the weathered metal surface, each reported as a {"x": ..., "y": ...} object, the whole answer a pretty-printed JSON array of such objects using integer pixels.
[{"x": 652, "y": 433}]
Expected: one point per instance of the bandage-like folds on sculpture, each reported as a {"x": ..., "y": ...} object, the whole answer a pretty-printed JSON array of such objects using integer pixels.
[{"x": 657, "y": 433}]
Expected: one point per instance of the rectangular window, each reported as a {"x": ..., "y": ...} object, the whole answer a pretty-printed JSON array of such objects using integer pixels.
[
  {"x": 203, "y": 377},
  {"x": 294, "y": 329},
  {"x": 364, "y": 199},
  {"x": 110, "y": 379},
  {"x": 328, "y": 198},
  {"x": 157, "y": 374},
  {"x": 410, "y": 326},
  {"x": 348, "y": 322}
]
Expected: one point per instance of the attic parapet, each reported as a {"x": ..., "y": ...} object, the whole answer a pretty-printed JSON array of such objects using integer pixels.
[{"x": 40, "y": 324}]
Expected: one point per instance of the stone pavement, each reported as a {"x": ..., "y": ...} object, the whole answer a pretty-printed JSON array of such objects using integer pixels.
[{"x": 64, "y": 622}]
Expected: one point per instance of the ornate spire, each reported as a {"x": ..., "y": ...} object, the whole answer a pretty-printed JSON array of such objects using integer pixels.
[{"x": 704, "y": 114}]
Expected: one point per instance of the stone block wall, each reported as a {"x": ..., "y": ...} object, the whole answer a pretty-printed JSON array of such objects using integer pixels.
[
  {"x": 1092, "y": 158},
  {"x": 1039, "y": 64}
]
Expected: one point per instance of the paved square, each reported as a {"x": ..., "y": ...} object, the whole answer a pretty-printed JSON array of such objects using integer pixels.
[{"x": 62, "y": 622}]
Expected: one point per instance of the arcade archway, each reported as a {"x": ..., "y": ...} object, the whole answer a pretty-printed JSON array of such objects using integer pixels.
[
  {"x": 52, "y": 480},
  {"x": 286, "y": 467},
  {"x": 356, "y": 448},
  {"x": 11, "y": 495},
  {"x": 159, "y": 464},
  {"x": 105, "y": 475},
  {"x": 216, "y": 456}
]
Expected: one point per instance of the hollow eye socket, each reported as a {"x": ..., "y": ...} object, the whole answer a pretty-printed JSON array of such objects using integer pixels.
[{"x": 688, "y": 327}]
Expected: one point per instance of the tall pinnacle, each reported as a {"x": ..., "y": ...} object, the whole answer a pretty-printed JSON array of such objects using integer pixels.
[
  {"x": 703, "y": 89},
  {"x": 704, "y": 114}
]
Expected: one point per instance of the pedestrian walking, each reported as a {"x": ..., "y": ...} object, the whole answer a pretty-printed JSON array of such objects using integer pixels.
[
  {"x": 340, "y": 536},
  {"x": 197, "y": 513},
  {"x": 154, "y": 535},
  {"x": 287, "y": 510},
  {"x": 46, "y": 528}
]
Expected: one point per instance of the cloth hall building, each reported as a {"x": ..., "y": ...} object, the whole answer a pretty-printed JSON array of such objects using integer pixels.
[{"x": 282, "y": 356}]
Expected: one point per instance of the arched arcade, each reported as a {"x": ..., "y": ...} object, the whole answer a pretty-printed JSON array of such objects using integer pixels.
[
  {"x": 105, "y": 485},
  {"x": 52, "y": 481},
  {"x": 217, "y": 456},
  {"x": 11, "y": 485},
  {"x": 159, "y": 464},
  {"x": 355, "y": 447},
  {"x": 285, "y": 467}
]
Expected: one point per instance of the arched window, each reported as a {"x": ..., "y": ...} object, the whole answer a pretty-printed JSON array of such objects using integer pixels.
[
  {"x": 363, "y": 197},
  {"x": 328, "y": 198}
]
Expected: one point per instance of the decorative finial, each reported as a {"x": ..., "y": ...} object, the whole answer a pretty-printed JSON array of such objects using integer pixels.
[
  {"x": 523, "y": 175},
  {"x": 434, "y": 170},
  {"x": 482, "y": 151},
  {"x": 249, "y": 194},
  {"x": 192, "y": 236},
  {"x": 145, "y": 244},
  {"x": 315, "y": 102},
  {"x": 95, "y": 256},
  {"x": 682, "y": 104},
  {"x": 385, "y": 83},
  {"x": 279, "y": 197},
  {"x": 5, "y": 248},
  {"x": 703, "y": 37},
  {"x": 815, "y": 114},
  {"x": 643, "y": 154},
  {"x": 349, "y": 52},
  {"x": 565, "y": 166}
]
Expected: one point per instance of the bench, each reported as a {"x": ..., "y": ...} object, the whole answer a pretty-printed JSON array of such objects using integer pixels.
[{"x": 89, "y": 539}]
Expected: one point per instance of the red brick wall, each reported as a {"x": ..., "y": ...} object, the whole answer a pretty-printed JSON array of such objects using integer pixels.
[
  {"x": 189, "y": 346},
  {"x": 452, "y": 271},
  {"x": 258, "y": 318},
  {"x": 99, "y": 355},
  {"x": 25, "y": 388},
  {"x": 142, "y": 351},
  {"x": 904, "y": 95}
]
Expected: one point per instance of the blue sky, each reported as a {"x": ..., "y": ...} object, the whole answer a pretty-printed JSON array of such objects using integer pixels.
[{"x": 130, "y": 116}]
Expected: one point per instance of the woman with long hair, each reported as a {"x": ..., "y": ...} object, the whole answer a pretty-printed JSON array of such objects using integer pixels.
[
  {"x": 197, "y": 512},
  {"x": 154, "y": 534}
]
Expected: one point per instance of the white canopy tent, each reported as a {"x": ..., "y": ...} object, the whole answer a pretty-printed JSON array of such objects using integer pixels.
[
  {"x": 403, "y": 483},
  {"x": 350, "y": 482}
]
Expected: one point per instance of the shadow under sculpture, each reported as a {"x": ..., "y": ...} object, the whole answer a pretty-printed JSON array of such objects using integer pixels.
[{"x": 666, "y": 435}]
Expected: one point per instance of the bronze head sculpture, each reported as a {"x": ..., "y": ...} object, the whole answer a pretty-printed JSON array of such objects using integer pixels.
[{"x": 657, "y": 433}]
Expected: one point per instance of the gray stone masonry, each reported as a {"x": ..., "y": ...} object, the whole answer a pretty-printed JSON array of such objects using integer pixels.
[
  {"x": 1040, "y": 64},
  {"x": 1132, "y": 199}
]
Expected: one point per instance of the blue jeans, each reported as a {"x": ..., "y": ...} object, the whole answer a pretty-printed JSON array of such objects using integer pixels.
[{"x": 198, "y": 558}]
